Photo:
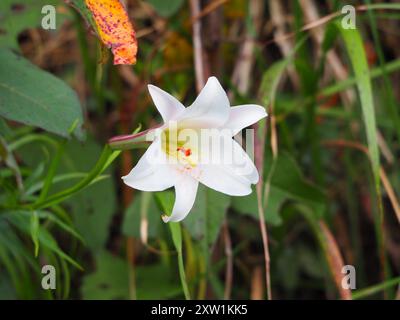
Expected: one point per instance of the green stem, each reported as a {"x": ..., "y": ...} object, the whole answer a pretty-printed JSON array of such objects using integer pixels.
[
  {"x": 31, "y": 138},
  {"x": 359, "y": 294},
  {"x": 182, "y": 275},
  {"x": 374, "y": 73},
  {"x": 52, "y": 171},
  {"x": 104, "y": 161},
  {"x": 176, "y": 233}
]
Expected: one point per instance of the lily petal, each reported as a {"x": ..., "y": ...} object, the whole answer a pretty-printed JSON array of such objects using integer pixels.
[
  {"x": 152, "y": 173},
  {"x": 185, "y": 195},
  {"x": 231, "y": 171},
  {"x": 210, "y": 109},
  {"x": 243, "y": 116},
  {"x": 168, "y": 106},
  {"x": 243, "y": 165},
  {"x": 223, "y": 179}
]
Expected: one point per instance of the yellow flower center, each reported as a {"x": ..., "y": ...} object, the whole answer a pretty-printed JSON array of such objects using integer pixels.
[{"x": 178, "y": 147}]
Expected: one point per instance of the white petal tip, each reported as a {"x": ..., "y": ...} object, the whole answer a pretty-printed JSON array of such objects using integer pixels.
[
  {"x": 248, "y": 192},
  {"x": 151, "y": 87},
  {"x": 262, "y": 110},
  {"x": 214, "y": 81},
  {"x": 165, "y": 218}
]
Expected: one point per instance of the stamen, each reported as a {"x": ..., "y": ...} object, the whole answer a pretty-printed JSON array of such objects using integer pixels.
[{"x": 186, "y": 152}]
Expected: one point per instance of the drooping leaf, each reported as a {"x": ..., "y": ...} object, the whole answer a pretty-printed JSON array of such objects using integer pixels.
[
  {"x": 22, "y": 221},
  {"x": 62, "y": 225},
  {"x": 16, "y": 260},
  {"x": 34, "y": 97}
]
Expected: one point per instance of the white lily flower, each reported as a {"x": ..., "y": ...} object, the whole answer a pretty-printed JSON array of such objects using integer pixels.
[{"x": 175, "y": 159}]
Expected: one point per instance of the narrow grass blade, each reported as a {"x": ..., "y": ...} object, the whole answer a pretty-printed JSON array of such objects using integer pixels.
[
  {"x": 354, "y": 45},
  {"x": 360, "y": 294}
]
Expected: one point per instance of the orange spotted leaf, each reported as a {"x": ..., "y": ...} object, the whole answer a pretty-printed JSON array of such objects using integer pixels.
[{"x": 115, "y": 29}]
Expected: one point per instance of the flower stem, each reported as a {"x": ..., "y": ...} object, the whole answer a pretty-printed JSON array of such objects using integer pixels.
[
  {"x": 104, "y": 161},
  {"x": 176, "y": 233}
]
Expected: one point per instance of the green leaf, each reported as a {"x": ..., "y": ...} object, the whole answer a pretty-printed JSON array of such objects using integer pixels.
[
  {"x": 62, "y": 225},
  {"x": 376, "y": 72},
  {"x": 203, "y": 222},
  {"x": 355, "y": 49},
  {"x": 287, "y": 183},
  {"x": 34, "y": 97},
  {"x": 7, "y": 291},
  {"x": 22, "y": 221},
  {"x": 356, "y": 52},
  {"x": 270, "y": 81},
  {"x": 16, "y": 260},
  {"x": 165, "y": 200},
  {"x": 156, "y": 276},
  {"x": 166, "y": 8},
  {"x": 5, "y": 130},
  {"x": 110, "y": 280},
  {"x": 8, "y": 157},
  {"x": 363, "y": 293},
  {"x": 205, "y": 219},
  {"x": 93, "y": 207},
  {"x": 35, "y": 231}
]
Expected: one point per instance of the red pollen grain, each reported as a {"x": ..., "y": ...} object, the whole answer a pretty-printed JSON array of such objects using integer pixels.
[{"x": 187, "y": 152}]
